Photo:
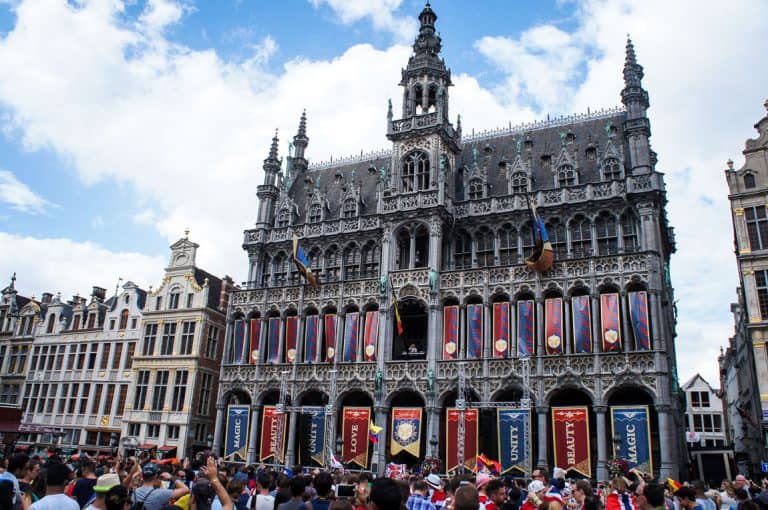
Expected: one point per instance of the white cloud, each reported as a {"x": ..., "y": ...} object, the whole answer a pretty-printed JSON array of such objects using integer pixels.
[
  {"x": 19, "y": 196},
  {"x": 45, "y": 265},
  {"x": 379, "y": 12}
]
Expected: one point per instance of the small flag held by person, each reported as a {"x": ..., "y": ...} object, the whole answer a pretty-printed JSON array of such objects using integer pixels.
[{"x": 302, "y": 262}]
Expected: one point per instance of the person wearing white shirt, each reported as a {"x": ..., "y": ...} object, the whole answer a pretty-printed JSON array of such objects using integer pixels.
[{"x": 56, "y": 478}]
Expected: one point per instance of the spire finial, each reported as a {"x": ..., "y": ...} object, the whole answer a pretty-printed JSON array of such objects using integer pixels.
[
  {"x": 13, "y": 281},
  {"x": 186, "y": 235},
  {"x": 273, "y": 148},
  {"x": 633, "y": 72},
  {"x": 303, "y": 123}
]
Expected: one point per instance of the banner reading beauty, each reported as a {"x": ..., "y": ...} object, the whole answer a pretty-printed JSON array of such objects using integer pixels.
[
  {"x": 236, "y": 441},
  {"x": 632, "y": 425},
  {"x": 406, "y": 430},
  {"x": 354, "y": 435},
  {"x": 312, "y": 438},
  {"x": 514, "y": 439},
  {"x": 571, "y": 439},
  {"x": 273, "y": 432},
  {"x": 470, "y": 438}
]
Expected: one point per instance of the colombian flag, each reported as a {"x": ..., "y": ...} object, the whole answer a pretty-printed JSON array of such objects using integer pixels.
[{"x": 373, "y": 433}]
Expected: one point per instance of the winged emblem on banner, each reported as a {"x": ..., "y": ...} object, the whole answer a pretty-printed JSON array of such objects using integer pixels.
[{"x": 406, "y": 432}]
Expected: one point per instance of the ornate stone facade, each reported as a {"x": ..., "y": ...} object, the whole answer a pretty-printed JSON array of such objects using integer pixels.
[{"x": 443, "y": 220}]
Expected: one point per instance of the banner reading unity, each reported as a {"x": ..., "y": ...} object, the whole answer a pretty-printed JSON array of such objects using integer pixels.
[
  {"x": 553, "y": 325},
  {"x": 370, "y": 335},
  {"x": 330, "y": 337},
  {"x": 239, "y": 341},
  {"x": 571, "y": 439},
  {"x": 500, "y": 330},
  {"x": 582, "y": 324},
  {"x": 450, "y": 332},
  {"x": 475, "y": 331},
  {"x": 514, "y": 439},
  {"x": 274, "y": 427},
  {"x": 273, "y": 340},
  {"x": 312, "y": 338},
  {"x": 255, "y": 338},
  {"x": 354, "y": 435},
  {"x": 638, "y": 313},
  {"x": 291, "y": 338},
  {"x": 312, "y": 438},
  {"x": 525, "y": 328},
  {"x": 470, "y": 438},
  {"x": 610, "y": 321},
  {"x": 632, "y": 424},
  {"x": 406, "y": 430},
  {"x": 236, "y": 440}
]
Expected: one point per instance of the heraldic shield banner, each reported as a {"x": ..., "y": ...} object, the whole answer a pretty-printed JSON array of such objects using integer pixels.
[
  {"x": 571, "y": 439},
  {"x": 632, "y": 424},
  {"x": 470, "y": 438},
  {"x": 406, "y": 430},
  {"x": 274, "y": 427},
  {"x": 354, "y": 435},
  {"x": 236, "y": 442},
  {"x": 514, "y": 439}
]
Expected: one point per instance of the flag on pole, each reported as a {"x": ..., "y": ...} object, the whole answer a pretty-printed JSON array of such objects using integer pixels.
[
  {"x": 373, "y": 433},
  {"x": 302, "y": 262},
  {"x": 485, "y": 463},
  {"x": 397, "y": 312}
]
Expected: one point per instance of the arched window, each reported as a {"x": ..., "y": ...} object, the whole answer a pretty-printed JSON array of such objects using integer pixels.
[
  {"x": 421, "y": 239},
  {"x": 350, "y": 208},
  {"x": 124, "y": 319},
  {"x": 432, "y": 98},
  {"x": 629, "y": 232},
  {"x": 315, "y": 214},
  {"x": 475, "y": 189},
  {"x": 526, "y": 239},
  {"x": 607, "y": 234},
  {"x": 173, "y": 299},
  {"x": 280, "y": 268},
  {"x": 332, "y": 267},
  {"x": 352, "y": 262},
  {"x": 418, "y": 99},
  {"x": 265, "y": 272},
  {"x": 591, "y": 154},
  {"x": 556, "y": 231},
  {"x": 519, "y": 182},
  {"x": 370, "y": 260},
  {"x": 581, "y": 236},
  {"x": 463, "y": 250},
  {"x": 566, "y": 176},
  {"x": 749, "y": 180},
  {"x": 283, "y": 217},
  {"x": 611, "y": 169},
  {"x": 415, "y": 172},
  {"x": 507, "y": 245},
  {"x": 51, "y": 323},
  {"x": 484, "y": 239},
  {"x": 403, "y": 248}
]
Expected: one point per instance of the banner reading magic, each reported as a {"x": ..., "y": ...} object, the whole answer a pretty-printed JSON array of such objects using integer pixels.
[
  {"x": 514, "y": 439},
  {"x": 236, "y": 442},
  {"x": 312, "y": 438},
  {"x": 631, "y": 423},
  {"x": 571, "y": 438},
  {"x": 273, "y": 431},
  {"x": 406, "y": 430},
  {"x": 354, "y": 435}
]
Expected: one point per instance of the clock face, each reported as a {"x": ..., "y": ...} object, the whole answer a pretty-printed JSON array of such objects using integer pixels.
[{"x": 181, "y": 259}]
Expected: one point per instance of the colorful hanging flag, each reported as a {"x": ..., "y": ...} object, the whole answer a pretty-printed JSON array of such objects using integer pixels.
[
  {"x": 273, "y": 432},
  {"x": 610, "y": 321},
  {"x": 236, "y": 439},
  {"x": 582, "y": 324},
  {"x": 450, "y": 332},
  {"x": 570, "y": 426},
  {"x": 475, "y": 327},
  {"x": 638, "y": 313},
  {"x": 553, "y": 325},
  {"x": 291, "y": 338},
  {"x": 397, "y": 311},
  {"x": 302, "y": 263},
  {"x": 501, "y": 330},
  {"x": 311, "y": 338},
  {"x": 312, "y": 438},
  {"x": 470, "y": 438},
  {"x": 373, "y": 433},
  {"x": 351, "y": 329},
  {"x": 273, "y": 340},
  {"x": 330, "y": 336},
  {"x": 487, "y": 464},
  {"x": 239, "y": 341},
  {"x": 514, "y": 439},
  {"x": 370, "y": 335},
  {"x": 406, "y": 430},
  {"x": 354, "y": 435},
  {"x": 632, "y": 425},
  {"x": 255, "y": 338},
  {"x": 525, "y": 328}
]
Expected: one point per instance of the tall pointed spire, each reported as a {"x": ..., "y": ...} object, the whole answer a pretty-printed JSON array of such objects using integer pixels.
[
  {"x": 299, "y": 162},
  {"x": 273, "y": 148},
  {"x": 633, "y": 72},
  {"x": 637, "y": 127}
]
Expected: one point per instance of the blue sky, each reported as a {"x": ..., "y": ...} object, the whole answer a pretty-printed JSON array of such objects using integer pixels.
[{"x": 126, "y": 122}]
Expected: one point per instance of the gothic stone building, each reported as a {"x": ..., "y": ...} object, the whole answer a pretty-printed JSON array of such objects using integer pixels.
[{"x": 441, "y": 222}]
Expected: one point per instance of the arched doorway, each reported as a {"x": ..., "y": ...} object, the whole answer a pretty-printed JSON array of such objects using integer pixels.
[
  {"x": 311, "y": 433},
  {"x": 626, "y": 397},
  {"x": 412, "y": 344},
  {"x": 348, "y": 438},
  {"x": 408, "y": 437},
  {"x": 447, "y": 442}
]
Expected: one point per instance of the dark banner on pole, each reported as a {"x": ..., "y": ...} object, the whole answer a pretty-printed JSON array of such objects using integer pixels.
[
  {"x": 514, "y": 439},
  {"x": 500, "y": 330},
  {"x": 291, "y": 338},
  {"x": 570, "y": 426},
  {"x": 355, "y": 421},
  {"x": 236, "y": 441},
  {"x": 312, "y": 438},
  {"x": 450, "y": 332},
  {"x": 632, "y": 424}
]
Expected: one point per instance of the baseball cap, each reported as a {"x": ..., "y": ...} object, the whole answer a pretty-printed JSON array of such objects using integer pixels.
[
  {"x": 149, "y": 469},
  {"x": 106, "y": 482}
]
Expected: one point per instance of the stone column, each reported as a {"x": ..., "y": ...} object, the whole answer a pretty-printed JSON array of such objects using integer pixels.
[
  {"x": 543, "y": 413},
  {"x": 625, "y": 329},
  {"x": 540, "y": 351},
  {"x": 488, "y": 339},
  {"x": 218, "y": 428},
  {"x": 383, "y": 422},
  {"x": 568, "y": 347},
  {"x": 433, "y": 343},
  {"x": 253, "y": 434},
  {"x": 742, "y": 235},
  {"x": 597, "y": 336},
  {"x": 602, "y": 437},
  {"x": 290, "y": 455},
  {"x": 668, "y": 465}
]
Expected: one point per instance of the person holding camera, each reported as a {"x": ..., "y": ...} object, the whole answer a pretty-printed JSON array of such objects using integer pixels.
[{"x": 152, "y": 494}]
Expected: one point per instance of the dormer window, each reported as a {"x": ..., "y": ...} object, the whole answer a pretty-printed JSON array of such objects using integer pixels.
[
  {"x": 173, "y": 300},
  {"x": 315, "y": 214},
  {"x": 350, "y": 208},
  {"x": 611, "y": 169},
  {"x": 591, "y": 154},
  {"x": 475, "y": 189},
  {"x": 519, "y": 183},
  {"x": 283, "y": 217},
  {"x": 749, "y": 180},
  {"x": 566, "y": 176}
]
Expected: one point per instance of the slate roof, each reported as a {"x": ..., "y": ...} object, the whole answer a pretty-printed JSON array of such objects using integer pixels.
[{"x": 214, "y": 287}]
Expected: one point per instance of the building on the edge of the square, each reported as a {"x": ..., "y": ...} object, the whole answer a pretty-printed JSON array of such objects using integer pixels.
[
  {"x": 705, "y": 426},
  {"x": 15, "y": 342},
  {"x": 170, "y": 406},
  {"x": 745, "y": 363},
  {"x": 80, "y": 370},
  {"x": 442, "y": 219}
]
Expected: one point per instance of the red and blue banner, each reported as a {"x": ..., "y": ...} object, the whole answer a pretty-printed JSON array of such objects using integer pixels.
[
  {"x": 255, "y": 338},
  {"x": 406, "y": 430},
  {"x": 610, "y": 322},
  {"x": 570, "y": 430},
  {"x": 632, "y": 425},
  {"x": 291, "y": 338},
  {"x": 312, "y": 338},
  {"x": 351, "y": 329},
  {"x": 638, "y": 313},
  {"x": 239, "y": 339},
  {"x": 475, "y": 328},
  {"x": 450, "y": 332},
  {"x": 370, "y": 335},
  {"x": 525, "y": 328},
  {"x": 236, "y": 439},
  {"x": 330, "y": 321},
  {"x": 553, "y": 325},
  {"x": 273, "y": 340},
  {"x": 273, "y": 431},
  {"x": 501, "y": 330},
  {"x": 354, "y": 434},
  {"x": 514, "y": 439},
  {"x": 581, "y": 315},
  {"x": 471, "y": 423}
]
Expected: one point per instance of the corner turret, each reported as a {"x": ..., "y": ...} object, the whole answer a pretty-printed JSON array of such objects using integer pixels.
[{"x": 637, "y": 127}]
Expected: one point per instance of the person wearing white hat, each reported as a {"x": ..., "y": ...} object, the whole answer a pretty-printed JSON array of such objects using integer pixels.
[
  {"x": 536, "y": 490},
  {"x": 103, "y": 484},
  {"x": 438, "y": 495}
]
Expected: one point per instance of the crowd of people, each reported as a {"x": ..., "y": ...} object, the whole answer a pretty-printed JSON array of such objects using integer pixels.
[{"x": 208, "y": 484}]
